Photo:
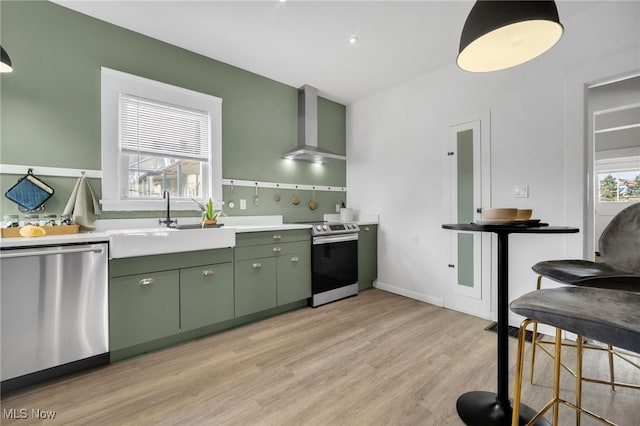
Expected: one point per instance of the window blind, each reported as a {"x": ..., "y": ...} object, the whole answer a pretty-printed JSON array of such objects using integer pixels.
[{"x": 160, "y": 129}]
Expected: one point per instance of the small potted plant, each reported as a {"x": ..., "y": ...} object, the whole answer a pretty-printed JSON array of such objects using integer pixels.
[{"x": 209, "y": 214}]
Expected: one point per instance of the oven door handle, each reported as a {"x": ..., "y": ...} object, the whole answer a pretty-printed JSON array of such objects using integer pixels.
[{"x": 335, "y": 239}]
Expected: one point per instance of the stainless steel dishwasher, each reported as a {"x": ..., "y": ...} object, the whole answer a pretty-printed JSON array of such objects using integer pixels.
[{"x": 55, "y": 313}]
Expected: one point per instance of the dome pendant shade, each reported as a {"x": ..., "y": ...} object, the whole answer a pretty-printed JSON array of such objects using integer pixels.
[
  {"x": 502, "y": 34},
  {"x": 5, "y": 64}
]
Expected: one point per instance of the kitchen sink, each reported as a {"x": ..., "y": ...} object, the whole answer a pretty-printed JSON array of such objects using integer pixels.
[
  {"x": 161, "y": 240},
  {"x": 196, "y": 226}
]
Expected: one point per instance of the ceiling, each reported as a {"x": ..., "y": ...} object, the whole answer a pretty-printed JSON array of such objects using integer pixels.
[{"x": 307, "y": 42}]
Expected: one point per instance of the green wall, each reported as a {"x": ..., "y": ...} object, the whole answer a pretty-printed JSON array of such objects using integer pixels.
[{"x": 50, "y": 106}]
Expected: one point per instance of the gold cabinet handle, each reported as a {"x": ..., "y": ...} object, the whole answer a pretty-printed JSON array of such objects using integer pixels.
[
  {"x": 277, "y": 249},
  {"x": 295, "y": 259},
  {"x": 277, "y": 236},
  {"x": 256, "y": 265},
  {"x": 366, "y": 228},
  {"x": 146, "y": 281},
  {"x": 207, "y": 272}
]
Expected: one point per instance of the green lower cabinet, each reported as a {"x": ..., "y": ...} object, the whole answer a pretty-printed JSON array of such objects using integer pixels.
[
  {"x": 206, "y": 295},
  {"x": 255, "y": 285},
  {"x": 294, "y": 276},
  {"x": 143, "y": 308},
  {"x": 367, "y": 256}
]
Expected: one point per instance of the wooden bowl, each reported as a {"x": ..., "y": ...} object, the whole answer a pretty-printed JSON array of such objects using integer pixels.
[
  {"x": 499, "y": 214},
  {"x": 524, "y": 214}
]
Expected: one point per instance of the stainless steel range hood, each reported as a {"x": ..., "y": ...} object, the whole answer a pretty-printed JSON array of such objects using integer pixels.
[{"x": 308, "y": 149}]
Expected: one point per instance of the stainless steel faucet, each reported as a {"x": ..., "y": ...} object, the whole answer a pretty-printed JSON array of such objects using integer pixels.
[{"x": 168, "y": 221}]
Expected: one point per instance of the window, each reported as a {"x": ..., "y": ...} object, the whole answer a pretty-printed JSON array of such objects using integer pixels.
[
  {"x": 619, "y": 186},
  {"x": 158, "y": 137}
]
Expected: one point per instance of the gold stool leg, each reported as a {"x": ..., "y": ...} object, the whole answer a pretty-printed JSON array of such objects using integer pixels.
[
  {"x": 579, "y": 343},
  {"x": 611, "y": 375},
  {"x": 517, "y": 391},
  {"x": 556, "y": 376},
  {"x": 534, "y": 341}
]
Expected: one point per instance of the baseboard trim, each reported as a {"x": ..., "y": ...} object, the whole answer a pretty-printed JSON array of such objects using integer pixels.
[{"x": 408, "y": 293}]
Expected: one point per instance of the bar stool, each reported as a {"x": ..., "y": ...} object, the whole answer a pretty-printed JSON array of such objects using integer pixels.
[
  {"x": 609, "y": 316},
  {"x": 619, "y": 247}
]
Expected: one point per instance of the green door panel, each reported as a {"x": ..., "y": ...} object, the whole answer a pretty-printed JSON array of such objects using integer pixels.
[
  {"x": 143, "y": 308},
  {"x": 294, "y": 275},
  {"x": 255, "y": 285},
  {"x": 206, "y": 295},
  {"x": 367, "y": 256},
  {"x": 465, "y": 260}
]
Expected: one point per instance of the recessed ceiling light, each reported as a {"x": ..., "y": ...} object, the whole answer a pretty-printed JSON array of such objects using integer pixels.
[
  {"x": 283, "y": 1},
  {"x": 353, "y": 39}
]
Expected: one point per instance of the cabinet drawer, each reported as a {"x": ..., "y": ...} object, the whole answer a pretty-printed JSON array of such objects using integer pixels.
[
  {"x": 165, "y": 262},
  {"x": 206, "y": 295},
  {"x": 255, "y": 285},
  {"x": 143, "y": 308},
  {"x": 269, "y": 250},
  {"x": 270, "y": 237}
]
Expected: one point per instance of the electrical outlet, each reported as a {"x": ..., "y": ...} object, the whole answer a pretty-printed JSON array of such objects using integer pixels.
[
  {"x": 415, "y": 240},
  {"x": 337, "y": 208},
  {"x": 243, "y": 204},
  {"x": 521, "y": 191}
]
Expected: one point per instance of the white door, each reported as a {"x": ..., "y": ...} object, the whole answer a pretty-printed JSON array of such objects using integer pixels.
[{"x": 469, "y": 288}]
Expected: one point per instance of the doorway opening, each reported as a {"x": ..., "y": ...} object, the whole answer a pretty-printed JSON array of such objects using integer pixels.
[{"x": 613, "y": 152}]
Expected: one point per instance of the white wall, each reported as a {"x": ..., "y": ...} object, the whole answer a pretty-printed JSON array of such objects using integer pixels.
[{"x": 396, "y": 156}]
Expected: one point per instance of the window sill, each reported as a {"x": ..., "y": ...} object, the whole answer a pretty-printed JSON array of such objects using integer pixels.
[{"x": 147, "y": 205}]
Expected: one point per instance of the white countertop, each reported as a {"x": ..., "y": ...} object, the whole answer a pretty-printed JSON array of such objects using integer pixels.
[
  {"x": 107, "y": 227},
  {"x": 244, "y": 224},
  {"x": 89, "y": 237}
]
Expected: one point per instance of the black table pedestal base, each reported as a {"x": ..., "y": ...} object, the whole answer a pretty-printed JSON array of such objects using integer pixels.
[{"x": 480, "y": 408}]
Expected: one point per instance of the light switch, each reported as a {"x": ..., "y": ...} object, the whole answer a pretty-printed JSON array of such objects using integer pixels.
[
  {"x": 521, "y": 191},
  {"x": 243, "y": 204}
]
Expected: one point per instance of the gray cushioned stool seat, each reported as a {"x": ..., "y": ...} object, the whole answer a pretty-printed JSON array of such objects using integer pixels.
[
  {"x": 586, "y": 273},
  {"x": 609, "y": 316},
  {"x": 619, "y": 247}
]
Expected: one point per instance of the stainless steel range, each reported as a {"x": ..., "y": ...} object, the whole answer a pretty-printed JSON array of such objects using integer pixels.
[{"x": 334, "y": 262}]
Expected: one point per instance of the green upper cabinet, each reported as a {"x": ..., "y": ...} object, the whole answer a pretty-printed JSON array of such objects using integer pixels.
[{"x": 367, "y": 256}]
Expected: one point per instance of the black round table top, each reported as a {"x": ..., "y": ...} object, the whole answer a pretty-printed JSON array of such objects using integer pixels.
[{"x": 511, "y": 228}]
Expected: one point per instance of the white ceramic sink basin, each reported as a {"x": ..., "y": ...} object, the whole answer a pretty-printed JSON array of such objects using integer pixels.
[{"x": 148, "y": 241}]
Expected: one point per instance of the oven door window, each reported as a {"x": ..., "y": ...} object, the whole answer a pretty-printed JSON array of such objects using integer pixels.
[{"x": 334, "y": 265}]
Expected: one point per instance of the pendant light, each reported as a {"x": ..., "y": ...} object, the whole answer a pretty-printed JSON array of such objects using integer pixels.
[
  {"x": 502, "y": 34},
  {"x": 5, "y": 64}
]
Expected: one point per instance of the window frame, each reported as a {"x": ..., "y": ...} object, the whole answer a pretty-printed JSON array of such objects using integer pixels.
[{"x": 114, "y": 167}]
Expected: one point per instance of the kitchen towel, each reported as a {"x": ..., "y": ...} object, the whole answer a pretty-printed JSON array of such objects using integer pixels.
[
  {"x": 30, "y": 192},
  {"x": 83, "y": 206}
]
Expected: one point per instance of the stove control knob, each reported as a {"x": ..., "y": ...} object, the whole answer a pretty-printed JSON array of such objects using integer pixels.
[
  {"x": 319, "y": 228},
  {"x": 348, "y": 226},
  {"x": 324, "y": 227}
]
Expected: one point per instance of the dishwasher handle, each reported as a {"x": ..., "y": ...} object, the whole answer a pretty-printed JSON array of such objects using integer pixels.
[{"x": 46, "y": 252}]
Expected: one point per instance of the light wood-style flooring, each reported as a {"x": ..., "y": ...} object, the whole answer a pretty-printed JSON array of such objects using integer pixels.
[{"x": 375, "y": 359}]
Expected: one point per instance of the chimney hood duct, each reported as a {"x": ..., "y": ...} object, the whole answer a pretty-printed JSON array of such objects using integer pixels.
[{"x": 308, "y": 149}]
